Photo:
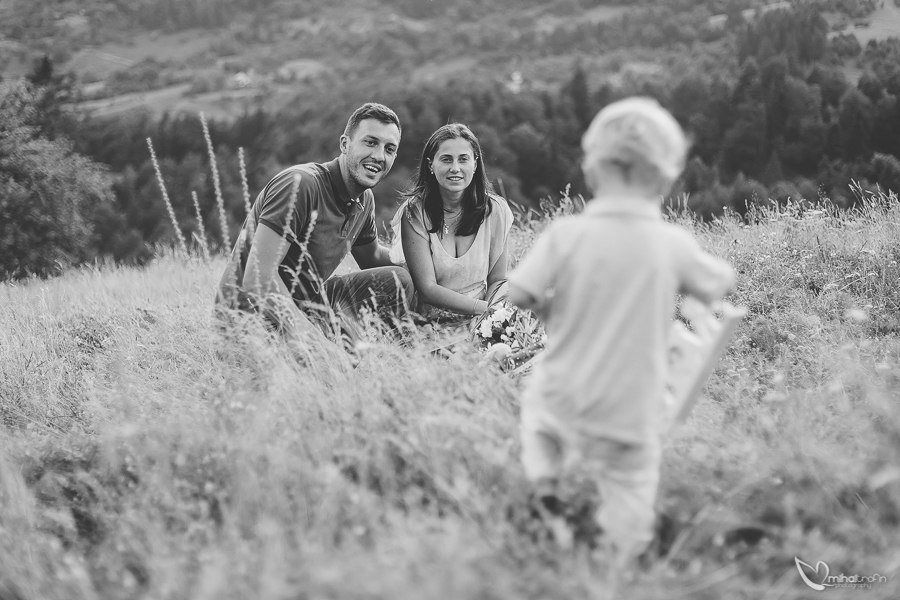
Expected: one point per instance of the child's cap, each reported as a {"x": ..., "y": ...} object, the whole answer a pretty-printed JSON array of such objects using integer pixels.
[{"x": 637, "y": 129}]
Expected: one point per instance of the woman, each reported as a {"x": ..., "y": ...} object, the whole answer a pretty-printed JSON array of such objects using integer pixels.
[{"x": 453, "y": 228}]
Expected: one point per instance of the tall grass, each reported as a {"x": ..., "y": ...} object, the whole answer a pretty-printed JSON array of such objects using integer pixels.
[
  {"x": 169, "y": 209},
  {"x": 148, "y": 453},
  {"x": 244, "y": 187},
  {"x": 217, "y": 185},
  {"x": 201, "y": 230}
]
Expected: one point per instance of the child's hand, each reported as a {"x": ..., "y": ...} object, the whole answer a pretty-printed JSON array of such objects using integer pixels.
[{"x": 520, "y": 297}]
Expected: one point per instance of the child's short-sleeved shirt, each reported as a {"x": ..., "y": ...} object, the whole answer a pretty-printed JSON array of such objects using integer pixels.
[{"x": 605, "y": 284}]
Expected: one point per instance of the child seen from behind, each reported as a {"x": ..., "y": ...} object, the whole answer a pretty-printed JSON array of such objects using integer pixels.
[{"x": 605, "y": 285}]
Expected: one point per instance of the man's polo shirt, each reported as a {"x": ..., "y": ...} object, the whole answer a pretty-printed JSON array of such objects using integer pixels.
[
  {"x": 605, "y": 284},
  {"x": 323, "y": 217}
]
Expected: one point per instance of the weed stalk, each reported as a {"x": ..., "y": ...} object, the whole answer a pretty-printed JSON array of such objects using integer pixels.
[
  {"x": 220, "y": 202},
  {"x": 162, "y": 186}
]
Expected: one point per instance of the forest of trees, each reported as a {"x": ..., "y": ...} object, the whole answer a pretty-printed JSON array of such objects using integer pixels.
[{"x": 786, "y": 124}]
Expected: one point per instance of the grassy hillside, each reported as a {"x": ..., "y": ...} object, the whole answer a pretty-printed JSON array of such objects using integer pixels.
[{"x": 146, "y": 453}]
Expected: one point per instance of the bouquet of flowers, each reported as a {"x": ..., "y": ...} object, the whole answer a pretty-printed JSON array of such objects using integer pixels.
[
  {"x": 509, "y": 335},
  {"x": 496, "y": 326}
]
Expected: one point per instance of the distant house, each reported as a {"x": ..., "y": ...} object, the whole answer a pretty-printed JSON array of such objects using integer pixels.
[
  {"x": 297, "y": 70},
  {"x": 719, "y": 21},
  {"x": 242, "y": 79},
  {"x": 76, "y": 24},
  {"x": 773, "y": 6}
]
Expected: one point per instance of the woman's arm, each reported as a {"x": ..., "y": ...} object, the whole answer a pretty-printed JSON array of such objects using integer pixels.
[
  {"x": 421, "y": 268},
  {"x": 497, "y": 276}
]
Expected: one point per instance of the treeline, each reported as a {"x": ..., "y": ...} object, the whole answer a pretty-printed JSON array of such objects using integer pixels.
[
  {"x": 787, "y": 124},
  {"x": 791, "y": 125}
]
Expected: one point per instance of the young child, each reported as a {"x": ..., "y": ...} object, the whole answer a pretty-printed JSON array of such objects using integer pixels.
[{"x": 605, "y": 284}]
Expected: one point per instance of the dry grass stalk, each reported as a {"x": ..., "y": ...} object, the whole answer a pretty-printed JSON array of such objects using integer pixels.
[
  {"x": 162, "y": 186},
  {"x": 292, "y": 202},
  {"x": 220, "y": 201},
  {"x": 204, "y": 247},
  {"x": 244, "y": 185},
  {"x": 303, "y": 250}
]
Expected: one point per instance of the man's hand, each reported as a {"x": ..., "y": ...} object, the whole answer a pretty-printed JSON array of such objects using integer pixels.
[{"x": 372, "y": 255}]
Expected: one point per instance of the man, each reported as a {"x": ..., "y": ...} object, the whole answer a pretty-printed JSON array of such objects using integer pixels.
[{"x": 301, "y": 227}]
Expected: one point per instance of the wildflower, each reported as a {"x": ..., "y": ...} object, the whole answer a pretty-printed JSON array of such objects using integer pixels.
[
  {"x": 856, "y": 314},
  {"x": 486, "y": 329}
]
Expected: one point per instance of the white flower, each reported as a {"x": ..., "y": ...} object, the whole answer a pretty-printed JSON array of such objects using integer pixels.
[
  {"x": 502, "y": 314},
  {"x": 486, "y": 329}
]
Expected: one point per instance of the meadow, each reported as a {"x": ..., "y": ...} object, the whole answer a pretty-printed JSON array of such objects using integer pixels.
[{"x": 148, "y": 453}]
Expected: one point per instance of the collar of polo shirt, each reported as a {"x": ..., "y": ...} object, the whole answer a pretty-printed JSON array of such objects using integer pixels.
[{"x": 337, "y": 181}]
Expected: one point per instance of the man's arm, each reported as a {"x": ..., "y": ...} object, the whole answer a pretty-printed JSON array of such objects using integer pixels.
[
  {"x": 266, "y": 253},
  {"x": 371, "y": 255},
  {"x": 261, "y": 279}
]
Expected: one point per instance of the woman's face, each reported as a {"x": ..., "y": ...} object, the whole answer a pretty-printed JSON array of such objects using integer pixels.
[{"x": 454, "y": 165}]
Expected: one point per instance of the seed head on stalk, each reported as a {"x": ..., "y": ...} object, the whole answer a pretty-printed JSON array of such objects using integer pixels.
[
  {"x": 246, "y": 188},
  {"x": 215, "y": 173},
  {"x": 165, "y": 195},
  {"x": 204, "y": 247}
]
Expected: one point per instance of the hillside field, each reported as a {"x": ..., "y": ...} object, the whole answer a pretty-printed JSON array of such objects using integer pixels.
[
  {"x": 147, "y": 453},
  {"x": 211, "y": 58}
]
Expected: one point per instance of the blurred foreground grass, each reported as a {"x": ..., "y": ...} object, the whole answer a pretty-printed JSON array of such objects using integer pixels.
[{"x": 146, "y": 454}]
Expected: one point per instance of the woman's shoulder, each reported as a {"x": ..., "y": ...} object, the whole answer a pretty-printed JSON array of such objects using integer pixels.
[
  {"x": 498, "y": 200},
  {"x": 412, "y": 211},
  {"x": 500, "y": 211}
]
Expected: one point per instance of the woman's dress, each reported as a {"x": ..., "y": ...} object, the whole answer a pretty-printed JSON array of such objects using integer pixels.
[{"x": 466, "y": 274}]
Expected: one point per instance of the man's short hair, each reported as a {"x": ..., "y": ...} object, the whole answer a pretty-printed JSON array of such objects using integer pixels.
[
  {"x": 371, "y": 110},
  {"x": 636, "y": 130}
]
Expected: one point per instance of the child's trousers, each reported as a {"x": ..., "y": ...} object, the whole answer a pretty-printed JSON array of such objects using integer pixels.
[{"x": 627, "y": 475}]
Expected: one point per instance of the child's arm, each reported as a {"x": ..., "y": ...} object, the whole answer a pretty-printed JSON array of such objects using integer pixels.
[
  {"x": 706, "y": 277},
  {"x": 531, "y": 282},
  {"x": 520, "y": 297}
]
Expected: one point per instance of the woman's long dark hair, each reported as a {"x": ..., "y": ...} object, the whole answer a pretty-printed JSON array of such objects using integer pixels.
[{"x": 476, "y": 203}]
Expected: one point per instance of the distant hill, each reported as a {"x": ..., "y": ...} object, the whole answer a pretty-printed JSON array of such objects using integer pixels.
[{"x": 223, "y": 57}]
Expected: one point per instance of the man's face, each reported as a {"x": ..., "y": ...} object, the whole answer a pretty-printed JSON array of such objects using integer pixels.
[{"x": 370, "y": 151}]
